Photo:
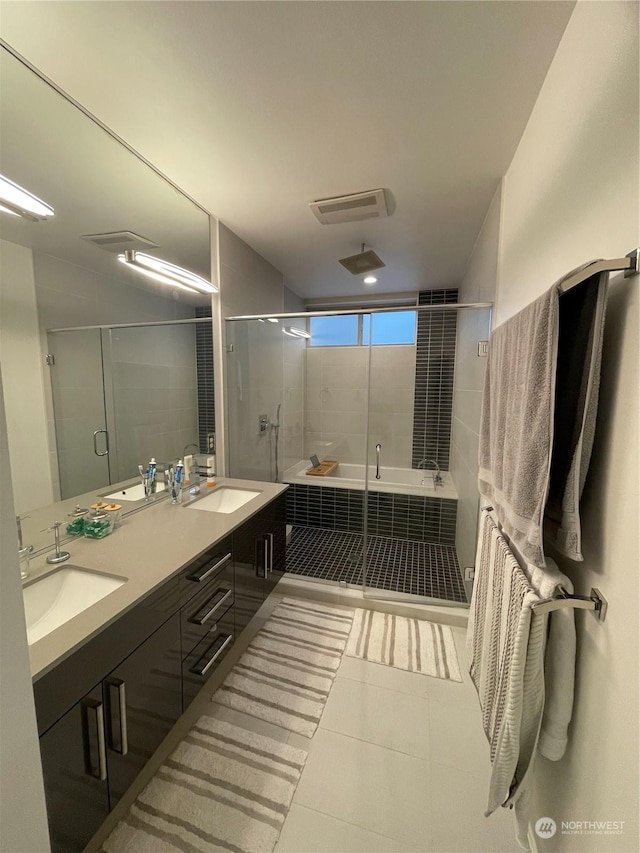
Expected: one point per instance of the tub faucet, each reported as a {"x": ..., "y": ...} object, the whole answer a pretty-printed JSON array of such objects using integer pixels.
[{"x": 437, "y": 476}]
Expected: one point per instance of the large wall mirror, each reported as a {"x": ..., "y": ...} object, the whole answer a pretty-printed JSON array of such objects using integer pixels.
[{"x": 115, "y": 382}]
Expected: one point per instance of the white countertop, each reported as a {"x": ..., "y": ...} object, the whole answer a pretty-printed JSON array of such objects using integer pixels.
[{"x": 147, "y": 547}]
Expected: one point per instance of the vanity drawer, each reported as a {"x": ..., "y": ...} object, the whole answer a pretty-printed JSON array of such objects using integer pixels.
[
  {"x": 205, "y": 658},
  {"x": 202, "y": 612},
  {"x": 205, "y": 569}
]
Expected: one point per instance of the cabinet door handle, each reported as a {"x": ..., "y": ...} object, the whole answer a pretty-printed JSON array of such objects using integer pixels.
[
  {"x": 270, "y": 541},
  {"x": 92, "y": 706},
  {"x": 203, "y": 574},
  {"x": 261, "y": 556},
  {"x": 121, "y": 744},
  {"x": 205, "y": 663},
  {"x": 205, "y": 613}
]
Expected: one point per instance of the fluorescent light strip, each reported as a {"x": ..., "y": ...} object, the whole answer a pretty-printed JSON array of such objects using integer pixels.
[
  {"x": 295, "y": 333},
  {"x": 15, "y": 199},
  {"x": 167, "y": 273}
]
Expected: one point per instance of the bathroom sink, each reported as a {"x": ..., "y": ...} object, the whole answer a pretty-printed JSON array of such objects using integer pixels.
[
  {"x": 224, "y": 499},
  {"x": 132, "y": 493},
  {"x": 53, "y": 599}
]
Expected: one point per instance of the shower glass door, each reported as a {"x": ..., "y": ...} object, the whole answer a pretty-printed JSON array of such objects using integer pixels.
[{"x": 77, "y": 387}]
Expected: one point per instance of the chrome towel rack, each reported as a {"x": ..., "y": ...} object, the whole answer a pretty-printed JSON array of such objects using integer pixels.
[{"x": 595, "y": 602}]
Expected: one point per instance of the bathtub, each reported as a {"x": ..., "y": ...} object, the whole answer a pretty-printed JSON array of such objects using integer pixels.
[{"x": 399, "y": 481}]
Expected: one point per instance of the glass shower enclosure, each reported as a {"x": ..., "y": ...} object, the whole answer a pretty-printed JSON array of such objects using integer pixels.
[{"x": 389, "y": 400}]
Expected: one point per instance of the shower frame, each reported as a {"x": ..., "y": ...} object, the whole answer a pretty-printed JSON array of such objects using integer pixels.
[{"x": 368, "y": 591}]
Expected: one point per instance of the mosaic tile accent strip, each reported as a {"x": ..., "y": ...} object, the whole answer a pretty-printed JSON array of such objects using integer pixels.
[
  {"x": 417, "y": 517},
  {"x": 435, "y": 363},
  {"x": 418, "y": 568},
  {"x": 204, "y": 377}
]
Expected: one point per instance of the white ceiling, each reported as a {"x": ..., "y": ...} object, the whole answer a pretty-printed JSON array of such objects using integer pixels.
[{"x": 257, "y": 108}]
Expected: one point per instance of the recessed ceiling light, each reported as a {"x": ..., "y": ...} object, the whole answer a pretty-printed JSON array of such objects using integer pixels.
[
  {"x": 370, "y": 279},
  {"x": 271, "y": 320}
]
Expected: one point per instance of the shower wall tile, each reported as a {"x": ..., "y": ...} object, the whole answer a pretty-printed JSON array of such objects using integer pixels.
[
  {"x": 398, "y": 516},
  {"x": 434, "y": 375}
]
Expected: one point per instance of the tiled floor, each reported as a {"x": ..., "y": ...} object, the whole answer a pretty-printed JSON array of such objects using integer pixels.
[
  {"x": 418, "y": 568},
  {"x": 399, "y": 763}
]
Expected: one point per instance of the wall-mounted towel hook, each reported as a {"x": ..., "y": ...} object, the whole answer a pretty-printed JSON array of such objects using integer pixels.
[{"x": 595, "y": 602}]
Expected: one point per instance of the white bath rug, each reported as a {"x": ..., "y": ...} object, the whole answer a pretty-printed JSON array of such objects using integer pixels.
[
  {"x": 223, "y": 789},
  {"x": 411, "y": 644},
  {"x": 286, "y": 673}
]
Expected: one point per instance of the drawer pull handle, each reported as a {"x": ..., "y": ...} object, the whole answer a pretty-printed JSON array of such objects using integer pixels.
[
  {"x": 96, "y": 708},
  {"x": 121, "y": 744},
  {"x": 204, "y": 573},
  {"x": 201, "y": 617},
  {"x": 204, "y": 664}
]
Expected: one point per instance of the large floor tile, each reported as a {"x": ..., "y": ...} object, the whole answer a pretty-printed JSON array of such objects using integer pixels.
[
  {"x": 458, "y": 824},
  {"x": 372, "y": 787},
  {"x": 308, "y": 831},
  {"x": 456, "y": 737},
  {"x": 375, "y": 714}
]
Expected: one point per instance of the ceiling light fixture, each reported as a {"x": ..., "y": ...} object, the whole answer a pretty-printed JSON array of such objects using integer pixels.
[
  {"x": 15, "y": 199},
  {"x": 271, "y": 320},
  {"x": 166, "y": 273},
  {"x": 295, "y": 333},
  {"x": 370, "y": 279},
  {"x": 363, "y": 262}
]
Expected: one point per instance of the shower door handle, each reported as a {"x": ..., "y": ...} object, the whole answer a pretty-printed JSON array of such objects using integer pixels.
[
  {"x": 378, "y": 449},
  {"x": 106, "y": 442}
]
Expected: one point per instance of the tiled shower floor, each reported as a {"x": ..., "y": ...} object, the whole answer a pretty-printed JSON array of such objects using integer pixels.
[{"x": 418, "y": 568}]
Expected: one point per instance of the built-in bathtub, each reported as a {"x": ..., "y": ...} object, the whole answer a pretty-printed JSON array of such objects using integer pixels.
[{"x": 402, "y": 504}]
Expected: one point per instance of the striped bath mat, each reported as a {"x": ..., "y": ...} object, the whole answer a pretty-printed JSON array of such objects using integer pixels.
[
  {"x": 286, "y": 673},
  {"x": 223, "y": 789},
  {"x": 412, "y": 644}
]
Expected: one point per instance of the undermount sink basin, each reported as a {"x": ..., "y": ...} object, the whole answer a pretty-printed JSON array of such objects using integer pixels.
[
  {"x": 224, "y": 499},
  {"x": 132, "y": 493},
  {"x": 53, "y": 599}
]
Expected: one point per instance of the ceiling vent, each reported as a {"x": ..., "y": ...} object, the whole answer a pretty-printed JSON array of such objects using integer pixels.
[
  {"x": 362, "y": 263},
  {"x": 350, "y": 208},
  {"x": 119, "y": 241}
]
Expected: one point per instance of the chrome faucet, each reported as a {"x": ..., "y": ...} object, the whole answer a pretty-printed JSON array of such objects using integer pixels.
[{"x": 437, "y": 476}]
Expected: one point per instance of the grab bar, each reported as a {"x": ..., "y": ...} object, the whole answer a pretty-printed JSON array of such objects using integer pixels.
[{"x": 378, "y": 449}]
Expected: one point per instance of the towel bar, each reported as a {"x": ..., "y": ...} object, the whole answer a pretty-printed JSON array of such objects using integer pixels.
[{"x": 595, "y": 602}]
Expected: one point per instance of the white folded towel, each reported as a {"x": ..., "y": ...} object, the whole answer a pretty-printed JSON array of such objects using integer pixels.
[{"x": 559, "y": 661}]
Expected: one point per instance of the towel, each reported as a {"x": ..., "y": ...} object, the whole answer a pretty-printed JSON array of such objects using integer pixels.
[
  {"x": 516, "y": 427},
  {"x": 559, "y": 662},
  {"x": 505, "y": 645},
  {"x": 581, "y": 329}
]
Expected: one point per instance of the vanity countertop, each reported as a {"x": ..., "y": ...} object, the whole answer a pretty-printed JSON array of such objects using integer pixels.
[{"x": 147, "y": 548}]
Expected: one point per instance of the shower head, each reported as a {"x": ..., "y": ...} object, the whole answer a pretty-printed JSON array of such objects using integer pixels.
[{"x": 362, "y": 263}]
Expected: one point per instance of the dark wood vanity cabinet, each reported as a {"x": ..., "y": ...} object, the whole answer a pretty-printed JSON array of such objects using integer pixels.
[
  {"x": 103, "y": 711},
  {"x": 92, "y": 754},
  {"x": 259, "y": 548}
]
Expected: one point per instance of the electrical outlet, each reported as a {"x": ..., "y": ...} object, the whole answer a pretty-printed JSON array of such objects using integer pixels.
[
  {"x": 469, "y": 573},
  {"x": 211, "y": 442},
  {"x": 483, "y": 349}
]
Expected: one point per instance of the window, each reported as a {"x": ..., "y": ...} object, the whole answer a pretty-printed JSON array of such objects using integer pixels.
[
  {"x": 396, "y": 327},
  {"x": 339, "y": 331}
]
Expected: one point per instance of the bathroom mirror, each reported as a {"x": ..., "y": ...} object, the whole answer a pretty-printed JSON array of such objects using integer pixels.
[{"x": 141, "y": 384}]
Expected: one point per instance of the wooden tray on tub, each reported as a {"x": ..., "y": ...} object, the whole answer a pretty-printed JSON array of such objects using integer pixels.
[{"x": 324, "y": 468}]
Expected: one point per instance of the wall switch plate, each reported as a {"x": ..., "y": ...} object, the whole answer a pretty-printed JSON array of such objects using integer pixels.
[
  {"x": 483, "y": 349},
  {"x": 469, "y": 573},
  {"x": 211, "y": 442}
]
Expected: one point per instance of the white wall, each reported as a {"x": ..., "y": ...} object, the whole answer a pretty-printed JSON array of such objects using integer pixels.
[
  {"x": 22, "y": 365},
  {"x": 337, "y": 379},
  {"x": 23, "y": 817},
  {"x": 571, "y": 194},
  {"x": 254, "y": 371},
  {"x": 478, "y": 285}
]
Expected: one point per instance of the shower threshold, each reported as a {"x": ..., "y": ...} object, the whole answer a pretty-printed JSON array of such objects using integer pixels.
[{"x": 397, "y": 565}]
